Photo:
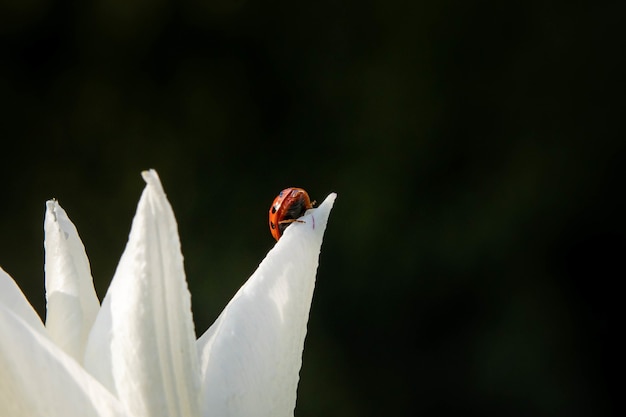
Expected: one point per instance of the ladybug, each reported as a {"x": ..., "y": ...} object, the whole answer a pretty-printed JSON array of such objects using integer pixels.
[{"x": 290, "y": 204}]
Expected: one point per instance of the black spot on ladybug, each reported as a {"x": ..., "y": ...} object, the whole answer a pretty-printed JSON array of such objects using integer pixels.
[
  {"x": 272, "y": 225},
  {"x": 273, "y": 209}
]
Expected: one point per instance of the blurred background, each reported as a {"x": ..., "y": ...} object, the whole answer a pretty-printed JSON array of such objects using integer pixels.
[{"x": 471, "y": 262}]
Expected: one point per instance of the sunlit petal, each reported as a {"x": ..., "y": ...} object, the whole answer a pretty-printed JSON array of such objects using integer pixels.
[
  {"x": 251, "y": 357},
  {"x": 143, "y": 342},
  {"x": 38, "y": 379},
  {"x": 72, "y": 304},
  {"x": 13, "y": 299}
]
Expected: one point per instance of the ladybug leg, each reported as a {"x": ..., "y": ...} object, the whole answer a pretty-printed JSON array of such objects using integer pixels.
[{"x": 291, "y": 221}]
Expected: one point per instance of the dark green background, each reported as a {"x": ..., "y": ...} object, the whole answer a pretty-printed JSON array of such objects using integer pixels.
[{"x": 470, "y": 264}]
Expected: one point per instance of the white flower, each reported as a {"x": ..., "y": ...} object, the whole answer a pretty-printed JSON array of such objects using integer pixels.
[{"x": 136, "y": 354}]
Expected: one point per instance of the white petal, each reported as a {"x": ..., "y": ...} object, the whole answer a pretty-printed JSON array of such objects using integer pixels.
[
  {"x": 250, "y": 358},
  {"x": 38, "y": 379},
  {"x": 13, "y": 299},
  {"x": 142, "y": 345},
  {"x": 72, "y": 303}
]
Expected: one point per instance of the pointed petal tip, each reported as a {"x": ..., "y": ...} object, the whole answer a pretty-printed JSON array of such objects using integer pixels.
[
  {"x": 51, "y": 205},
  {"x": 330, "y": 199},
  {"x": 153, "y": 182},
  {"x": 59, "y": 216},
  {"x": 150, "y": 176},
  {"x": 323, "y": 210}
]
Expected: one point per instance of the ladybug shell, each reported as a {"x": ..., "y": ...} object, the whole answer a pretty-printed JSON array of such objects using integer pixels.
[{"x": 290, "y": 204}]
